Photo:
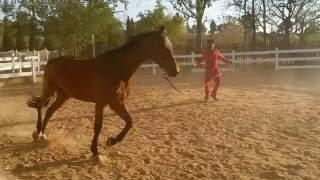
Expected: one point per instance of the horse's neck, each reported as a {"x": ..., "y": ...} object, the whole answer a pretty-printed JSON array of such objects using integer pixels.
[
  {"x": 124, "y": 62},
  {"x": 133, "y": 58}
]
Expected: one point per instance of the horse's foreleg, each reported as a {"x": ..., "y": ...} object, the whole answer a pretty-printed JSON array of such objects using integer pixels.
[
  {"x": 36, "y": 134},
  {"x": 97, "y": 128},
  {"x": 61, "y": 98},
  {"x": 122, "y": 112}
]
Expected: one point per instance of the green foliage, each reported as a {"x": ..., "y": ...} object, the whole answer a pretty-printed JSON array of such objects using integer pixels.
[
  {"x": 152, "y": 20},
  {"x": 9, "y": 35},
  {"x": 65, "y": 25},
  {"x": 23, "y": 29},
  {"x": 7, "y": 7}
]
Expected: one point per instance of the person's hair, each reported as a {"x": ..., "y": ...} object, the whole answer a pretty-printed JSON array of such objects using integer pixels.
[{"x": 209, "y": 42}]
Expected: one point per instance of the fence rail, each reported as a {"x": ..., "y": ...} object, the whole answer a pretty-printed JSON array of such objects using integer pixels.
[{"x": 18, "y": 64}]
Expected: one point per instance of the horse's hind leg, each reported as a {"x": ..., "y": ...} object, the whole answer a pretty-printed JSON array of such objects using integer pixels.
[
  {"x": 121, "y": 111},
  {"x": 97, "y": 128},
  {"x": 36, "y": 134},
  {"x": 38, "y": 103},
  {"x": 61, "y": 97}
]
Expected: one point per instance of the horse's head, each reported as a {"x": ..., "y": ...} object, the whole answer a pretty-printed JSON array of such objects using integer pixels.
[{"x": 163, "y": 53}]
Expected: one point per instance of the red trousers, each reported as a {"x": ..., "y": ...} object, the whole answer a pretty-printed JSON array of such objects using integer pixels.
[{"x": 215, "y": 76}]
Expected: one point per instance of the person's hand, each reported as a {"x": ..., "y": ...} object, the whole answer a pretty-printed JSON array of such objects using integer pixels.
[
  {"x": 229, "y": 64},
  {"x": 196, "y": 63}
]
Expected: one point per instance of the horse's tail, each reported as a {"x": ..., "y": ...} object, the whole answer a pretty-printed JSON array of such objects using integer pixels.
[
  {"x": 37, "y": 102},
  {"x": 47, "y": 93}
]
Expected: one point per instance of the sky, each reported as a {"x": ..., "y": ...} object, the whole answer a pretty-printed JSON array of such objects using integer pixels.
[{"x": 216, "y": 12}]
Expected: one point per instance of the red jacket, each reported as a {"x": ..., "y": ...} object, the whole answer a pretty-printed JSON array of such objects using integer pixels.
[{"x": 211, "y": 58}]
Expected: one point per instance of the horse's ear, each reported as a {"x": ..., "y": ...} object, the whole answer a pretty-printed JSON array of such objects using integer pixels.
[{"x": 162, "y": 30}]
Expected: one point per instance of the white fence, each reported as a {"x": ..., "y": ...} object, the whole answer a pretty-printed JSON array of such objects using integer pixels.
[
  {"x": 20, "y": 64},
  {"x": 16, "y": 64},
  {"x": 282, "y": 59}
]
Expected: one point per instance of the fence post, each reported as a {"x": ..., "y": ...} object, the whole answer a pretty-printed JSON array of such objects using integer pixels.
[
  {"x": 33, "y": 69},
  {"x": 233, "y": 59},
  {"x": 154, "y": 70},
  {"x": 192, "y": 58},
  {"x": 13, "y": 62},
  {"x": 38, "y": 66},
  {"x": 277, "y": 59},
  {"x": 18, "y": 54},
  {"x": 193, "y": 61},
  {"x": 47, "y": 54}
]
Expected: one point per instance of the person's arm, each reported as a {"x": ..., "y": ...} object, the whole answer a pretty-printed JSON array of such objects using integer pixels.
[
  {"x": 200, "y": 60},
  {"x": 224, "y": 59}
]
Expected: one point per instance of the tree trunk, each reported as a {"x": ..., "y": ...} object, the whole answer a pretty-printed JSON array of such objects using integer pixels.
[
  {"x": 199, "y": 35},
  {"x": 245, "y": 31},
  {"x": 33, "y": 28},
  {"x": 287, "y": 32},
  {"x": 264, "y": 24},
  {"x": 253, "y": 25},
  {"x": 93, "y": 46},
  {"x": 302, "y": 37},
  {"x": 5, "y": 39}
]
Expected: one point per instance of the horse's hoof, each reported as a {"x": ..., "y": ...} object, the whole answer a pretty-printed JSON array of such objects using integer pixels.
[
  {"x": 98, "y": 159},
  {"x": 36, "y": 136},
  {"x": 111, "y": 141},
  {"x": 43, "y": 138}
]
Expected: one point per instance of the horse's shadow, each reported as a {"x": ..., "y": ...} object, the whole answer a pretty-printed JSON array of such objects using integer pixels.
[
  {"x": 135, "y": 111},
  {"x": 73, "y": 162},
  {"x": 17, "y": 123},
  {"x": 19, "y": 148},
  {"x": 184, "y": 103},
  {"x": 153, "y": 108}
]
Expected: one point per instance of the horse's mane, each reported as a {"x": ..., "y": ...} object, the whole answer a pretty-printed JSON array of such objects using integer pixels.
[{"x": 132, "y": 41}]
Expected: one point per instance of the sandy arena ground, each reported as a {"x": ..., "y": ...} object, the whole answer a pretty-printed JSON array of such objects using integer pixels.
[{"x": 266, "y": 126}]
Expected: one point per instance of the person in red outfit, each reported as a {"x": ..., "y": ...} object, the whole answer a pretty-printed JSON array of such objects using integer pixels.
[{"x": 211, "y": 55}]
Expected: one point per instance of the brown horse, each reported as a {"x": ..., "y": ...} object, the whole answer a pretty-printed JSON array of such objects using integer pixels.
[{"x": 103, "y": 80}]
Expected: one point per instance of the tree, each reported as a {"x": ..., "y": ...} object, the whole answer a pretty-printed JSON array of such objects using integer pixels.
[
  {"x": 307, "y": 22},
  {"x": 30, "y": 9},
  {"x": 194, "y": 28},
  {"x": 293, "y": 16},
  {"x": 229, "y": 35},
  {"x": 253, "y": 22},
  {"x": 133, "y": 26},
  {"x": 264, "y": 17},
  {"x": 8, "y": 9},
  {"x": 153, "y": 19},
  {"x": 249, "y": 18},
  {"x": 63, "y": 24},
  {"x": 22, "y": 26},
  {"x": 75, "y": 24},
  {"x": 9, "y": 35},
  {"x": 128, "y": 28},
  {"x": 213, "y": 27},
  {"x": 188, "y": 28},
  {"x": 193, "y": 9}
]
